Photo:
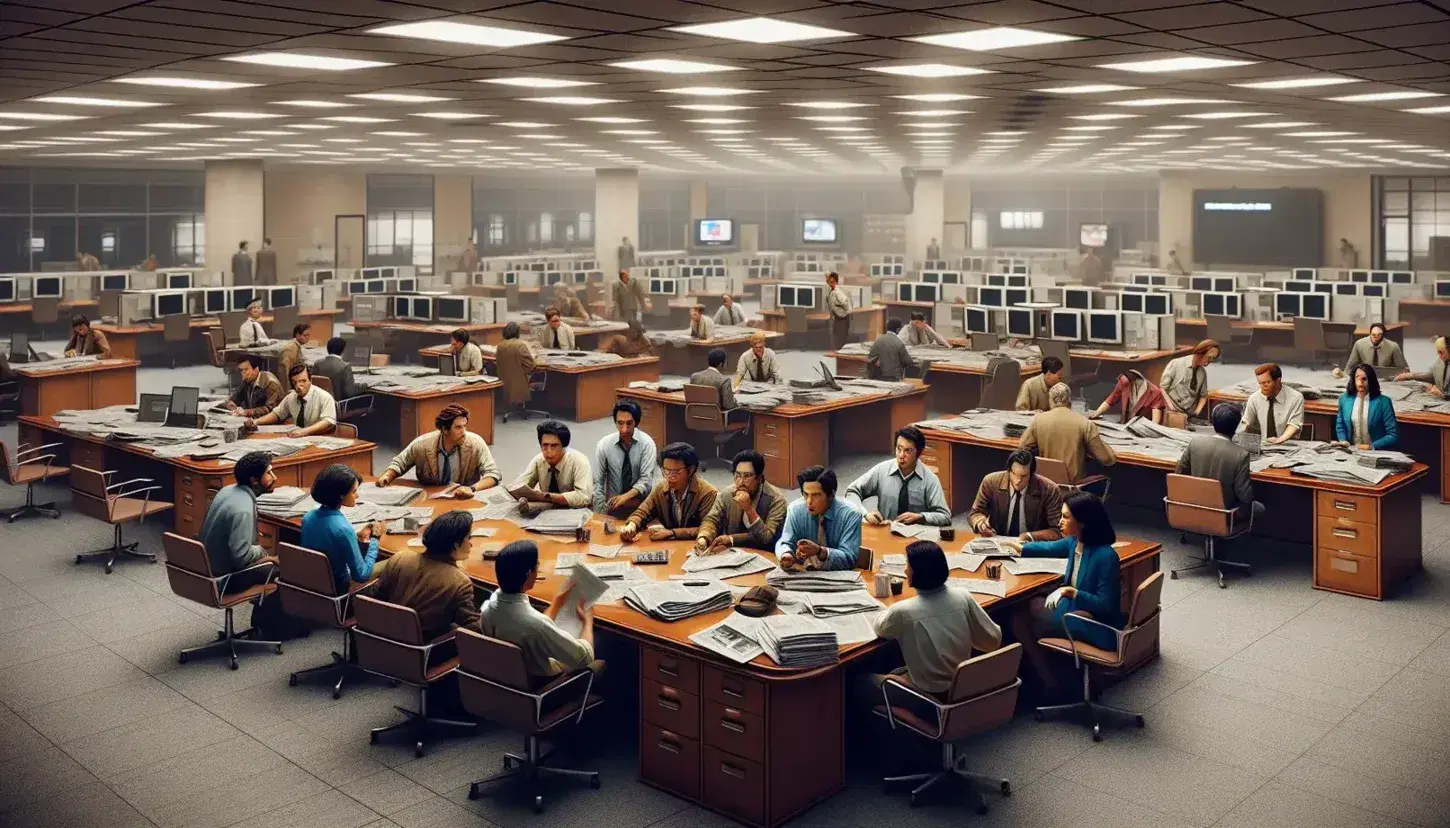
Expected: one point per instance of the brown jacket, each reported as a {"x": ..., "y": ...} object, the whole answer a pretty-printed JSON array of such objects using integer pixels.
[
  {"x": 628, "y": 300},
  {"x": 291, "y": 354},
  {"x": 1041, "y": 506},
  {"x": 513, "y": 362},
  {"x": 572, "y": 308},
  {"x": 726, "y": 516},
  {"x": 255, "y": 399},
  {"x": 266, "y": 266},
  {"x": 1032, "y": 396},
  {"x": 1063, "y": 434},
  {"x": 438, "y": 591},
  {"x": 92, "y": 344},
  {"x": 474, "y": 462},
  {"x": 624, "y": 346},
  {"x": 699, "y": 500}
]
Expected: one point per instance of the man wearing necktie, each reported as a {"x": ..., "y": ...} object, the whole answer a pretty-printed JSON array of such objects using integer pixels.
[
  {"x": 311, "y": 410},
  {"x": 450, "y": 454},
  {"x": 1376, "y": 351},
  {"x": 558, "y": 477},
  {"x": 624, "y": 463},
  {"x": 555, "y": 334},
  {"x": 904, "y": 488},
  {"x": 1275, "y": 411},
  {"x": 729, "y": 312},
  {"x": 821, "y": 530},
  {"x": 758, "y": 363},
  {"x": 701, "y": 326},
  {"x": 1017, "y": 502}
]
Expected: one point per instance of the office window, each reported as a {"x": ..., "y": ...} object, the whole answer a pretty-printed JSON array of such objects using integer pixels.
[
  {"x": 1410, "y": 214},
  {"x": 1020, "y": 219},
  {"x": 494, "y": 233},
  {"x": 546, "y": 228},
  {"x": 401, "y": 237},
  {"x": 188, "y": 239},
  {"x": 586, "y": 227}
]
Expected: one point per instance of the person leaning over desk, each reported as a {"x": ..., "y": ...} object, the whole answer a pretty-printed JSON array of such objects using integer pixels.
[
  {"x": 508, "y": 616},
  {"x": 451, "y": 454},
  {"x": 904, "y": 488},
  {"x": 758, "y": 363},
  {"x": 1063, "y": 434},
  {"x": 1137, "y": 397},
  {"x": 1185, "y": 379},
  {"x": 729, "y": 313},
  {"x": 431, "y": 582},
  {"x": 467, "y": 357},
  {"x": 352, "y": 552},
  {"x": 702, "y": 327},
  {"x": 631, "y": 343},
  {"x": 555, "y": 333},
  {"x": 1366, "y": 417},
  {"x": 750, "y": 513},
  {"x": 85, "y": 340},
  {"x": 821, "y": 530},
  {"x": 917, "y": 332},
  {"x": 678, "y": 503},
  {"x": 260, "y": 391},
  {"x": 1017, "y": 502},
  {"x": 1437, "y": 379},
  {"x": 1376, "y": 351},
  {"x": 1275, "y": 411},
  {"x": 311, "y": 410},
  {"x": 558, "y": 477}
]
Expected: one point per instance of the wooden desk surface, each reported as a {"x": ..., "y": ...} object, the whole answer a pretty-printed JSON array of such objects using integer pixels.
[
  {"x": 1331, "y": 408},
  {"x": 443, "y": 350},
  {"x": 1425, "y": 303},
  {"x": 1105, "y": 355},
  {"x": 36, "y": 371},
  {"x": 873, "y": 308},
  {"x": 203, "y": 322},
  {"x": 431, "y": 328},
  {"x": 1026, "y": 371},
  {"x": 787, "y": 410},
  {"x": 27, "y": 307},
  {"x": 721, "y": 341},
  {"x": 489, "y": 384},
  {"x": 1286, "y": 326}
]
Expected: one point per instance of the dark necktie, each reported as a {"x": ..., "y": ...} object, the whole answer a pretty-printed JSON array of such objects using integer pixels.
[
  {"x": 759, "y": 370},
  {"x": 626, "y": 472},
  {"x": 554, "y": 480},
  {"x": 1270, "y": 430},
  {"x": 1014, "y": 516},
  {"x": 903, "y": 498},
  {"x": 447, "y": 467},
  {"x": 821, "y": 531},
  {"x": 301, "y": 412},
  {"x": 1375, "y": 359},
  {"x": 556, "y": 338}
]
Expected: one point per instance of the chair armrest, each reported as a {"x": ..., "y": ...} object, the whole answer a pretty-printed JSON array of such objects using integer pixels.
[
  {"x": 270, "y": 566},
  {"x": 24, "y": 451},
  {"x": 559, "y": 684},
  {"x": 134, "y": 492},
  {"x": 128, "y": 482},
  {"x": 1067, "y": 628},
  {"x": 43, "y": 458},
  {"x": 362, "y": 402},
  {"x": 886, "y": 687}
]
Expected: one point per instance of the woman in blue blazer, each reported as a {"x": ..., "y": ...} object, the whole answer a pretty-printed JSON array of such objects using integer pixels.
[
  {"x": 1366, "y": 417},
  {"x": 1090, "y": 585}
]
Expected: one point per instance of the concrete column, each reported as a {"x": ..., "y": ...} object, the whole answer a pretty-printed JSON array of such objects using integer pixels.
[
  {"x": 234, "y": 210},
  {"x": 699, "y": 199},
  {"x": 928, "y": 211},
  {"x": 452, "y": 219},
  {"x": 616, "y": 215}
]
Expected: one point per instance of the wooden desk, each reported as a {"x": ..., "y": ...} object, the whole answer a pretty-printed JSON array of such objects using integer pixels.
[
  {"x": 585, "y": 393},
  {"x": 146, "y": 343},
  {"x": 952, "y": 387},
  {"x": 795, "y": 436},
  {"x": 1364, "y": 539},
  {"x": 903, "y": 310},
  {"x": 97, "y": 385},
  {"x": 1273, "y": 341},
  {"x": 694, "y": 356},
  {"x": 190, "y": 484},
  {"x": 25, "y": 308},
  {"x": 18, "y": 316},
  {"x": 774, "y": 320},
  {"x": 1425, "y": 317},
  {"x": 417, "y": 336},
  {"x": 411, "y": 413},
  {"x": 732, "y": 737}
]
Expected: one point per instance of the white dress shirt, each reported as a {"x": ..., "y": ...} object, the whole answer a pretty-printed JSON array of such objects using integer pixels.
[
  {"x": 252, "y": 334},
  {"x": 1288, "y": 410},
  {"x": 576, "y": 482},
  {"x": 319, "y": 405}
]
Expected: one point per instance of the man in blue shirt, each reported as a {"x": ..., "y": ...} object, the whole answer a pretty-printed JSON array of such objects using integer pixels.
[
  {"x": 624, "y": 464},
  {"x": 821, "y": 532},
  {"x": 904, "y": 488}
]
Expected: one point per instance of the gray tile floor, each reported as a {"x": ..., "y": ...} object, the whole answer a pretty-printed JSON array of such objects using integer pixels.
[{"x": 1272, "y": 705}]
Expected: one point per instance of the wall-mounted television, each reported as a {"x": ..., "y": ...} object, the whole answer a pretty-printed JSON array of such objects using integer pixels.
[
  {"x": 1093, "y": 235},
  {"x": 819, "y": 231},
  {"x": 1283, "y": 226},
  {"x": 715, "y": 232}
]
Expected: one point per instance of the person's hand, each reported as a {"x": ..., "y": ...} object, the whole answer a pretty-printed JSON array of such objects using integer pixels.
[
  {"x": 984, "y": 529},
  {"x": 365, "y": 532},
  {"x": 296, "y": 432},
  {"x": 1094, "y": 415},
  {"x": 1365, "y": 447},
  {"x": 702, "y": 546},
  {"x": 807, "y": 549},
  {"x": 528, "y": 508},
  {"x": 720, "y": 544},
  {"x": 70, "y": 352},
  {"x": 614, "y": 503},
  {"x": 1025, "y": 537},
  {"x": 788, "y": 561},
  {"x": 463, "y": 491},
  {"x": 742, "y": 498},
  {"x": 660, "y": 533},
  {"x": 584, "y": 612},
  {"x": 384, "y": 480},
  {"x": 1339, "y": 372},
  {"x": 249, "y": 423},
  {"x": 1403, "y": 375},
  {"x": 1054, "y": 597},
  {"x": 1433, "y": 391},
  {"x": 909, "y": 518},
  {"x": 231, "y": 406},
  {"x": 1012, "y": 545},
  {"x": 627, "y": 532},
  {"x": 1274, "y": 441},
  {"x": 379, "y": 528},
  {"x": 875, "y": 518}
]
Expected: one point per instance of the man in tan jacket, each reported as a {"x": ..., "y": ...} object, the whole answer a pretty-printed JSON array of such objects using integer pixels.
[
  {"x": 291, "y": 353},
  {"x": 1032, "y": 396},
  {"x": 514, "y": 362},
  {"x": 1065, "y": 435},
  {"x": 678, "y": 503},
  {"x": 260, "y": 391},
  {"x": 629, "y": 298},
  {"x": 85, "y": 340},
  {"x": 451, "y": 454}
]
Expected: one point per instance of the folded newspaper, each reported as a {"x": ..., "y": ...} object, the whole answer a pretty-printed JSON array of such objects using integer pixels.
[
  {"x": 919, "y": 531},
  {"x": 824, "y": 604},
  {"x": 388, "y": 496},
  {"x": 815, "y": 580},
  {"x": 734, "y": 638},
  {"x": 799, "y": 641},
  {"x": 676, "y": 600},
  {"x": 1036, "y": 566},
  {"x": 728, "y": 564},
  {"x": 585, "y": 589}
]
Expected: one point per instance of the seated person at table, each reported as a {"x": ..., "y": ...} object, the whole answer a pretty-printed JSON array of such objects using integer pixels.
[
  {"x": 431, "y": 582},
  {"x": 678, "y": 503},
  {"x": 1217, "y": 457},
  {"x": 1375, "y": 351},
  {"x": 1032, "y": 395},
  {"x": 1091, "y": 585},
  {"x": 758, "y": 363},
  {"x": 1437, "y": 379},
  {"x": 1017, "y": 502},
  {"x": 555, "y": 333},
  {"x": 712, "y": 376},
  {"x": 451, "y": 454},
  {"x": 568, "y": 303},
  {"x": 888, "y": 358},
  {"x": 352, "y": 551},
  {"x": 729, "y": 312},
  {"x": 1185, "y": 379},
  {"x": 1366, "y": 417},
  {"x": 260, "y": 391},
  {"x": 337, "y": 371},
  {"x": 252, "y": 334},
  {"x": 750, "y": 513},
  {"x": 631, "y": 343},
  {"x": 229, "y": 531},
  {"x": 905, "y": 489},
  {"x": 558, "y": 477},
  {"x": 85, "y": 340},
  {"x": 1275, "y": 411},
  {"x": 1136, "y": 397},
  {"x": 508, "y": 616},
  {"x": 467, "y": 357},
  {"x": 701, "y": 326},
  {"x": 1063, "y": 434},
  {"x": 821, "y": 530},
  {"x": 624, "y": 463},
  {"x": 311, "y": 410},
  {"x": 917, "y": 332}
]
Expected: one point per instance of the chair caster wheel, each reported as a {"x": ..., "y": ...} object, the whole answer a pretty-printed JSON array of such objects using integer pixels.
[
  {"x": 279, "y": 649},
  {"x": 508, "y": 763},
  {"x": 181, "y": 659},
  {"x": 594, "y": 782},
  {"x": 1221, "y": 583},
  {"x": 473, "y": 791},
  {"x": 1039, "y": 717},
  {"x": 418, "y": 750},
  {"x": 109, "y": 569},
  {"x": 913, "y": 802},
  {"x": 538, "y": 804},
  {"x": 372, "y": 738},
  {"x": 233, "y": 665},
  {"x": 1006, "y": 788},
  {"x": 336, "y": 694},
  {"x": 981, "y": 810},
  {"x": 1138, "y": 720},
  {"x": 78, "y": 557},
  {"x": 292, "y": 680},
  {"x": 1172, "y": 575},
  {"x": 1097, "y": 734}
]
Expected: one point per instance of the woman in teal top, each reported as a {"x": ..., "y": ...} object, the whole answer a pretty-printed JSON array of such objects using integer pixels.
[{"x": 352, "y": 552}]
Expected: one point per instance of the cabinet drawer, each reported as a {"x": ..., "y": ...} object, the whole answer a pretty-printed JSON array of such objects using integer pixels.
[
  {"x": 734, "y": 730},
  {"x": 1348, "y": 535},
  {"x": 86, "y": 454},
  {"x": 734, "y": 785},
  {"x": 187, "y": 525},
  {"x": 668, "y": 668},
  {"x": 670, "y": 760},
  {"x": 1346, "y": 572},
  {"x": 1353, "y": 507},
  {"x": 734, "y": 690},
  {"x": 670, "y": 708},
  {"x": 267, "y": 536}
]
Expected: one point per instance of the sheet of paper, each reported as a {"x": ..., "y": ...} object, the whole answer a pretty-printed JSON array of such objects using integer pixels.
[
  {"x": 482, "y": 532},
  {"x": 566, "y": 561},
  {"x": 856, "y": 628},
  {"x": 604, "y": 550},
  {"x": 274, "y": 429},
  {"x": 585, "y": 588},
  {"x": 965, "y": 561},
  {"x": 981, "y": 586},
  {"x": 733, "y": 638},
  {"x": 1036, "y": 566}
]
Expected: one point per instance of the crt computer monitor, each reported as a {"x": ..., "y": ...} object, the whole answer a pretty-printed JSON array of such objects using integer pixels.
[
  {"x": 1158, "y": 304},
  {"x": 1442, "y": 288},
  {"x": 408, "y": 285},
  {"x": 1221, "y": 304},
  {"x": 402, "y": 306},
  {"x": 356, "y": 286},
  {"x": 241, "y": 297},
  {"x": 1381, "y": 277},
  {"x": 997, "y": 279},
  {"x": 1305, "y": 273},
  {"x": 990, "y": 296},
  {"x": 1287, "y": 304},
  {"x": 422, "y": 307},
  {"x": 178, "y": 281},
  {"x": 1066, "y": 324},
  {"x": 170, "y": 304},
  {"x": 931, "y": 276},
  {"x": 1359, "y": 275},
  {"x": 1200, "y": 283},
  {"x": 1132, "y": 302},
  {"x": 216, "y": 300},
  {"x": 376, "y": 286},
  {"x": 1020, "y": 323},
  {"x": 281, "y": 297},
  {"x": 452, "y": 308},
  {"x": 1299, "y": 286},
  {"x": 1375, "y": 291},
  {"x": 1017, "y": 296},
  {"x": 1323, "y": 287},
  {"x": 1346, "y": 288},
  {"x": 7, "y": 290},
  {"x": 977, "y": 320},
  {"x": 115, "y": 281},
  {"x": 1225, "y": 284},
  {"x": 1105, "y": 327},
  {"x": 46, "y": 287},
  {"x": 388, "y": 272},
  {"x": 1314, "y": 306},
  {"x": 1077, "y": 298},
  {"x": 1402, "y": 277}
]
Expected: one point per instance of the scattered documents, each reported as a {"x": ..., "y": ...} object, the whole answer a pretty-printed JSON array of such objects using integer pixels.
[
  {"x": 981, "y": 586},
  {"x": 856, "y": 628},
  {"x": 799, "y": 641},
  {"x": 1036, "y": 566},
  {"x": 728, "y": 564},
  {"x": 815, "y": 580},
  {"x": 605, "y": 551},
  {"x": 285, "y": 501},
  {"x": 733, "y": 638},
  {"x": 585, "y": 588},
  {"x": 676, "y": 600},
  {"x": 823, "y": 604},
  {"x": 388, "y": 496},
  {"x": 918, "y": 531},
  {"x": 556, "y": 521}
]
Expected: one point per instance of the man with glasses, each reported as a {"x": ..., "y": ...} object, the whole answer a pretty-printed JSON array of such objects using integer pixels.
[
  {"x": 624, "y": 464},
  {"x": 678, "y": 504},
  {"x": 749, "y": 514}
]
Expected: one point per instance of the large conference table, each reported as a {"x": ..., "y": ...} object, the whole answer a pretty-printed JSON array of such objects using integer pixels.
[
  {"x": 756, "y": 742},
  {"x": 580, "y": 392},
  {"x": 95, "y": 385}
]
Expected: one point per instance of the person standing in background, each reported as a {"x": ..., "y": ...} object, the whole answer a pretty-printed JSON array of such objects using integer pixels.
[
  {"x": 629, "y": 298},
  {"x": 468, "y": 262},
  {"x": 933, "y": 250},
  {"x": 87, "y": 261},
  {"x": 1348, "y": 254},
  {"x": 838, "y": 305},
  {"x": 266, "y": 263},
  {"x": 626, "y": 254},
  {"x": 242, "y": 265},
  {"x": 1175, "y": 266},
  {"x": 1091, "y": 270}
]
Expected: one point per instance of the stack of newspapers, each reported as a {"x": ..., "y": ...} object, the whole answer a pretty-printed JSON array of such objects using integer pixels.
[
  {"x": 388, "y": 496},
  {"x": 285, "y": 501},
  {"x": 816, "y": 580},
  {"x": 798, "y": 641},
  {"x": 677, "y": 600},
  {"x": 827, "y": 604},
  {"x": 557, "y": 521},
  {"x": 731, "y": 564}
]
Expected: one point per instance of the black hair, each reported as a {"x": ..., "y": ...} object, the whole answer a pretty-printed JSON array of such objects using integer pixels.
[
  {"x": 511, "y": 330},
  {"x": 913, "y": 434},
  {"x": 1227, "y": 416},
  {"x": 751, "y": 456},
  {"x": 1379, "y": 325},
  {"x": 1051, "y": 364},
  {"x": 251, "y": 467},
  {"x": 252, "y": 361},
  {"x": 336, "y": 345},
  {"x": 894, "y": 326},
  {"x": 683, "y": 452},
  {"x": 300, "y": 328},
  {"x": 716, "y": 358},
  {"x": 450, "y": 412},
  {"x": 928, "y": 564},
  {"x": 817, "y": 474},
  {"x": 1095, "y": 528},
  {"x": 296, "y": 370},
  {"x": 514, "y": 564},
  {"x": 333, "y": 483},
  {"x": 445, "y": 533},
  {"x": 629, "y": 407},
  {"x": 917, "y": 316},
  {"x": 1022, "y": 457},
  {"x": 555, "y": 428},
  {"x": 460, "y": 335},
  {"x": 79, "y": 320},
  {"x": 1372, "y": 379}
]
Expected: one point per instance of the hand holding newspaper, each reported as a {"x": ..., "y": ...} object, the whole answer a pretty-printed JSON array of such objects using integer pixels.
[{"x": 583, "y": 589}]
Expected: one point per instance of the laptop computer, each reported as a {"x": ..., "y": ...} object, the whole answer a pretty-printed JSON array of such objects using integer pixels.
[
  {"x": 152, "y": 408},
  {"x": 184, "y": 408},
  {"x": 446, "y": 366}
]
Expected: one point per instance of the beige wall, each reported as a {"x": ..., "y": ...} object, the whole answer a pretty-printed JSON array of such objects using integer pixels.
[
  {"x": 302, "y": 204},
  {"x": 452, "y": 219},
  {"x": 234, "y": 210},
  {"x": 1348, "y": 206}
]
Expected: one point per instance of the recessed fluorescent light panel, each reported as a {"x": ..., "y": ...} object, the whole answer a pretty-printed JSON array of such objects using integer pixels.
[
  {"x": 299, "y": 60},
  {"x": 711, "y": 107},
  {"x": 238, "y": 115},
  {"x": 672, "y": 66},
  {"x": 928, "y": 70},
  {"x": 762, "y": 30},
  {"x": 1184, "y": 63},
  {"x": 938, "y": 97},
  {"x": 356, "y": 119},
  {"x": 399, "y": 97},
  {"x": 828, "y": 104},
  {"x": 571, "y": 100},
  {"x": 75, "y": 100},
  {"x": 451, "y": 116},
  {"x": 1403, "y": 95},
  {"x": 991, "y": 40},
  {"x": 1087, "y": 89},
  {"x": 1430, "y": 110},
  {"x": 185, "y": 83},
  {"x": 472, "y": 34},
  {"x": 537, "y": 82},
  {"x": 709, "y": 91},
  {"x": 1298, "y": 83},
  {"x": 612, "y": 119}
]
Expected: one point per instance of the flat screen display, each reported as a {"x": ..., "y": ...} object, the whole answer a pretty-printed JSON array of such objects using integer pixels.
[
  {"x": 1259, "y": 227},
  {"x": 818, "y": 231},
  {"x": 715, "y": 231},
  {"x": 1093, "y": 235}
]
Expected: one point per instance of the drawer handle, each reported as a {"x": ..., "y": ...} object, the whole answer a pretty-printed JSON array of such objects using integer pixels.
[
  {"x": 672, "y": 747},
  {"x": 669, "y": 668},
  {"x": 730, "y": 691},
  {"x": 1340, "y": 532},
  {"x": 185, "y": 480},
  {"x": 672, "y": 705},
  {"x": 1345, "y": 505},
  {"x": 730, "y": 724},
  {"x": 730, "y": 770}
]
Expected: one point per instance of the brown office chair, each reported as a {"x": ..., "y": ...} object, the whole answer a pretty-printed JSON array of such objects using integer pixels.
[
  {"x": 797, "y": 326},
  {"x": 982, "y": 342},
  {"x": 345, "y": 430},
  {"x": 388, "y": 640},
  {"x": 283, "y": 321},
  {"x": 1221, "y": 330},
  {"x": 45, "y": 311},
  {"x": 982, "y": 697},
  {"x": 379, "y": 360},
  {"x": 95, "y": 496},
  {"x": 1309, "y": 340},
  {"x": 188, "y": 569},
  {"x": 1136, "y": 640},
  {"x": 231, "y": 323},
  {"x": 494, "y": 684},
  {"x": 305, "y": 585},
  {"x": 1339, "y": 338},
  {"x": 1056, "y": 471},
  {"x": 27, "y": 467},
  {"x": 1195, "y": 504},
  {"x": 350, "y": 408},
  {"x": 1004, "y": 380},
  {"x": 704, "y": 414},
  {"x": 538, "y": 382},
  {"x": 175, "y": 332}
]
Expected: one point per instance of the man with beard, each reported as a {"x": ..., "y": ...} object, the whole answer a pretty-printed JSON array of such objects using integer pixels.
[{"x": 229, "y": 531}]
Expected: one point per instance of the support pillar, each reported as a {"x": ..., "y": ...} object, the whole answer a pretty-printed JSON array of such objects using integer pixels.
[
  {"x": 616, "y": 215},
  {"x": 234, "y": 210},
  {"x": 928, "y": 214}
]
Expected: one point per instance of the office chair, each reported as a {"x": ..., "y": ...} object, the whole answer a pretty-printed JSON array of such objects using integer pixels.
[
  {"x": 27, "y": 467},
  {"x": 283, "y": 321},
  {"x": 1056, "y": 471},
  {"x": 95, "y": 496},
  {"x": 1195, "y": 504},
  {"x": 188, "y": 569},
  {"x": 44, "y": 312},
  {"x": 494, "y": 684},
  {"x": 351, "y": 408},
  {"x": 1063, "y": 351},
  {"x": 9, "y": 398},
  {"x": 1230, "y": 339},
  {"x": 538, "y": 382},
  {"x": 1309, "y": 342},
  {"x": 1135, "y": 642},
  {"x": 346, "y": 430},
  {"x": 797, "y": 326},
  {"x": 308, "y": 591},
  {"x": 704, "y": 414},
  {"x": 983, "y": 342},
  {"x": 982, "y": 697},
  {"x": 231, "y": 323},
  {"x": 1004, "y": 380},
  {"x": 175, "y": 332},
  {"x": 1339, "y": 338},
  {"x": 388, "y": 640}
]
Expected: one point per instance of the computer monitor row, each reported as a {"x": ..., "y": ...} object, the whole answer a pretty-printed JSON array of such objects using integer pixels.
[
  {"x": 942, "y": 277},
  {"x": 212, "y": 301},
  {"x": 798, "y": 296},
  {"x": 760, "y": 272},
  {"x": 1006, "y": 279},
  {"x": 1371, "y": 289},
  {"x": 430, "y": 308},
  {"x": 664, "y": 286},
  {"x": 1381, "y": 277},
  {"x": 885, "y": 270},
  {"x": 385, "y": 272},
  {"x": 1103, "y": 327},
  {"x": 1215, "y": 284},
  {"x": 381, "y": 285}
]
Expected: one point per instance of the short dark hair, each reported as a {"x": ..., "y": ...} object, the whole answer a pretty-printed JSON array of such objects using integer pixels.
[
  {"x": 450, "y": 412},
  {"x": 336, "y": 345},
  {"x": 443, "y": 535},
  {"x": 629, "y": 407},
  {"x": 550, "y": 312},
  {"x": 913, "y": 434},
  {"x": 717, "y": 357},
  {"x": 751, "y": 456},
  {"x": 917, "y": 316},
  {"x": 257, "y": 302},
  {"x": 79, "y": 320},
  {"x": 333, "y": 483},
  {"x": 460, "y": 335},
  {"x": 252, "y": 361},
  {"x": 514, "y": 564},
  {"x": 683, "y": 452},
  {"x": 511, "y": 330},
  {"x": 1372, "y": 379},
  {"x": 817, "y": 474},
  {"x": 555, "y": 428},
  {"x": 300, "y": 328},
  {"x": 1270, "y": 368},
  {"x": 928, "y": 564},
  {"x": 1087, "y": 509},
  {"x": 266, "y": 240},
  {"x": 1227, "y": 416},
  {"x": 833, "y": 275},
  {"x": 296, "y": 370},
  {"x": 1022, "y": 457},
  {"x": 251, "y": 467},
  {"x": 1051, "y": 364},
  {"x": 894, "y": 325}
]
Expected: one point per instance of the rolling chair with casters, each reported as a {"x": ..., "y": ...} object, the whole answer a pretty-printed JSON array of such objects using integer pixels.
[
  {"x": 348, "y": 409},
  {"x": 1063, "y": 351},
  {"x": 538, "y": 381},
  {"x": 494, "y": 684},
  {"x": 9, "y": 399},
  {"x": 388, "y": 640},
  {"x": 1135, "y": 642},
  {"x": 703, "y": 414},
  {"x": 116, "y": 504},
  {"x": 985, "y": 342},
  {"x": 44, "y": 312},
  {"x": 1004, "y": 380},
  {"x": 797, "y": 326},
  {"x": 188, "y": 569},
  {"x": 1056, "y": 471},
  {"x": 982, "y": 697},
  {"x": 175, "y": 332},
  {"x": 231, "y": 322},
  {"x": 28, "y": 467},
  {"x": 346, "y": 430},
  {"x": 1195, "y": 505},
  {"x": 283, "y": 320},
  {"x": 307, "y": 590}
]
